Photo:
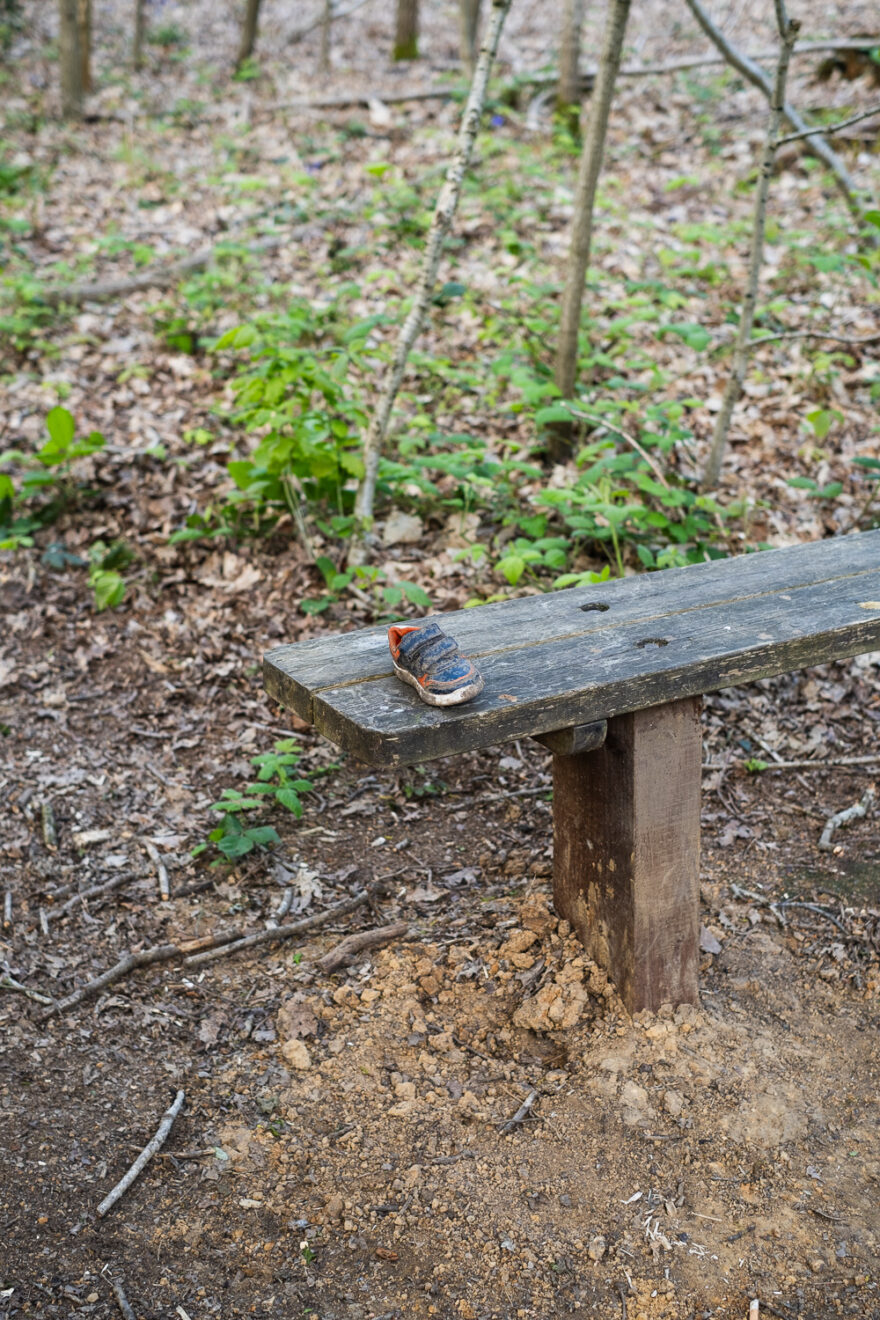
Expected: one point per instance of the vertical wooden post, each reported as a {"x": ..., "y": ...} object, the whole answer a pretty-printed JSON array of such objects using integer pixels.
[{"x": 626, "y": 848}]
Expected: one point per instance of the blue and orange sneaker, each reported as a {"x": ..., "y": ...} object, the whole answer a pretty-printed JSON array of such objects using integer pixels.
[{"x": 430, "y": 661}]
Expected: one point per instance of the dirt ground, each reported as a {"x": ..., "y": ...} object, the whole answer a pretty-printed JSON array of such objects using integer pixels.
[{"x": 340, "y": 1151}]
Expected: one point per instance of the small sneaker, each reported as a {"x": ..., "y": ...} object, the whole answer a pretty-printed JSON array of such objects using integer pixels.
[{"x": 430, "y": 661}]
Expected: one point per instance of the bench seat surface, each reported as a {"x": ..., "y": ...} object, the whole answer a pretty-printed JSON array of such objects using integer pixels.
[{"x": 588, "y": 653}]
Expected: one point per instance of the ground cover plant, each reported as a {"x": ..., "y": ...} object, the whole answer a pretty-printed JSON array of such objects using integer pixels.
[{"x": 202, "y": 284}]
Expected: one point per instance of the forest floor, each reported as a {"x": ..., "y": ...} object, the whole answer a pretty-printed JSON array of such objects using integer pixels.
[{"x": 340, "y": 1152}]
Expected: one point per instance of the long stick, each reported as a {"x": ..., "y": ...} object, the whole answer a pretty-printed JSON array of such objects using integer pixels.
[
  {"x": 363, "y": 939},
  {"x": 750, "y": 71},
  {"x": 156, "y": 277},
  {"x": 145, "y": 1156},
  {"x": 444, "y": 213},
  {"x": 565, "y": 369},
  {"x": 788, "y": 30},
  {"x": 284, "y": 932}
]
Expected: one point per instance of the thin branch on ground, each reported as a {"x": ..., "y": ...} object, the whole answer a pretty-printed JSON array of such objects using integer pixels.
[
  {"x": 157, "y": 277},
  {"x": 831, "y": 129},
  {"x": 287, "y": 931},
  {"x": 146, "y": 957},
  {"x": 788, "y": 29},
  {"x": 364, "y": 939},
  {"x": 756, "y": 76},
  {"x": 336, "y": 16},
  {"x": 539, "y": 78},
  {"x": 521, "y": 1114},
  {"x": 161, "y": 870},
  {"x": 853, "y": 341},
  {"x": 107, "y": 887},
  {"x": 145, "y": 1156},
  {"x": 625, "y": 436},
  {"x": 444, "y": 214},
  {"x": 8, "y": 982},
  {"x": 839, "y": 818},
  {"x": 122, "y": 1301}
]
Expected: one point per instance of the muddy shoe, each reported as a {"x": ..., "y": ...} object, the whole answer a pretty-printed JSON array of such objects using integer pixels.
[{"x": 430, "y": 661}]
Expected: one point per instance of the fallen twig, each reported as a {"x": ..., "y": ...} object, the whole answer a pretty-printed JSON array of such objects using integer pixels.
[
  {"x": 521, "y": 1114},
  {"x": 158, "y": 953},
  {"x": 50, "y": 833},
  {"x": 161, "y": 870},
  {"x": 819, "y": 910},
  {"x": 104, "y": 888},
  {"x": 7, "y": 910},
  {"x": 364, "y": 939},
  {"x": 8, "y": 982},
  {"x": 854, "y": 341},
  {"x": 286, "y": 931},
  {"x": 336, "y": 16},
  {"x": 806, "y": 765},
  {"x": 123, "y": 1302},
  {"x": 144, "y": 1158},
  {"x": 834, "y": 822},
  {"x": 157, "y": 277}
]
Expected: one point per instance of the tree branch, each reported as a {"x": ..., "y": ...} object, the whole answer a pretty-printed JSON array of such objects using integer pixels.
[
  {"x": 788, "y": 30},
  {"x": 745, "y": 65},
  {"x": 444, "y": 213},
  {"x": 831, "y": 128}
]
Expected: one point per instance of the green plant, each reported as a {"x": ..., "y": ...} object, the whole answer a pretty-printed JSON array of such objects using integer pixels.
[
  {"x": 48, "y": 472},
  {"x": 385, "y": 596},
  {"x": 275, "y": 782},
  {"x": 105, "y": 578}
]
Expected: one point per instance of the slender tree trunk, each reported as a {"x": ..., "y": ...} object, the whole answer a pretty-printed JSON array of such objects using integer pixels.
[
  {"x": 84, "y": 23},
  {"x": 137, "y": 52},
  {"x": 248, "y": 32},
  {"x": 406, "y": 31},
  {"x": 788, "y": 30},
  {"x": 326, "y": 21},
  {"x": 565, "y": 371},
  {"x": 469, "y": 22},
  {"x": 818, "y": 145},
  {"x": 70, "y": 60},
  {"x": 444, "y": 214},
  {"x": 568, "y": 93}
]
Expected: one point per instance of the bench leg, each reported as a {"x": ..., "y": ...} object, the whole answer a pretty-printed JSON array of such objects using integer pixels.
[{"x": 626, "y": 852}]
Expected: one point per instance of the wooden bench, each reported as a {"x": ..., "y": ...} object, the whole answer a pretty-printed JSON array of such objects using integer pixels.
[{"x": 610, "y": 679}]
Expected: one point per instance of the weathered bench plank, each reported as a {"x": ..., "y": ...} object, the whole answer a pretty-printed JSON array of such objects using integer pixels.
[
  {"x": 325, "y": 662},
  {"x": 552, "y": 684}
]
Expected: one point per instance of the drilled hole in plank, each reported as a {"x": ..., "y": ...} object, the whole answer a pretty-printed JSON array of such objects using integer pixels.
[
  {"x": 653, "y": 641},
  {"x": 595, "y": 605}
]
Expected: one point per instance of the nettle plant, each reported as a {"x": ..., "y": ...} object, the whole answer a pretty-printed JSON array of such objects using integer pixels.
[
  {"x": 277, "y": 781},
  {"x": 299, "y": 397},
  {"x": 35, "y": 488}
]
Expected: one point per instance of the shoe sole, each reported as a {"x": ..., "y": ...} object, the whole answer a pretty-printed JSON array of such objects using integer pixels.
[{"x": 455, "y": 698}]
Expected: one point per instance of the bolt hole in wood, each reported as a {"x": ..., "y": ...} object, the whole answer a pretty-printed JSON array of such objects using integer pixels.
[
  {"x": 595, "y": 605},
  {"x": 652, "y": 641}
]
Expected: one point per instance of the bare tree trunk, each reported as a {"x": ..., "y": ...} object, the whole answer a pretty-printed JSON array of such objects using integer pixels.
[
  {"x": 469, "y": 22},
  {"x": 248, "y": 32},
  {"x": 84, "y": 23},
  {"x": 325, "y": 36},
  {"x": 70, "y": 60},
  {"x": 565, "y": 370},
  {"x": 444, "y": 214},
  {"x": 758, "y": 78},
  {"x": 137, "y": 51},
  {"x": 788, "y": 30},
  {"x": 568, "y": 93},
  {"x": 406, "y": 32}
]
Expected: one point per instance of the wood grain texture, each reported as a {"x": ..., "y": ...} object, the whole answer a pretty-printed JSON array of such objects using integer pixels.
[
  {"x": 579, "y": 738},
  {"x": 626, "y": 852},
  {"x": 541, "y": 686},
  {"x": 338, "y": 659}
]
